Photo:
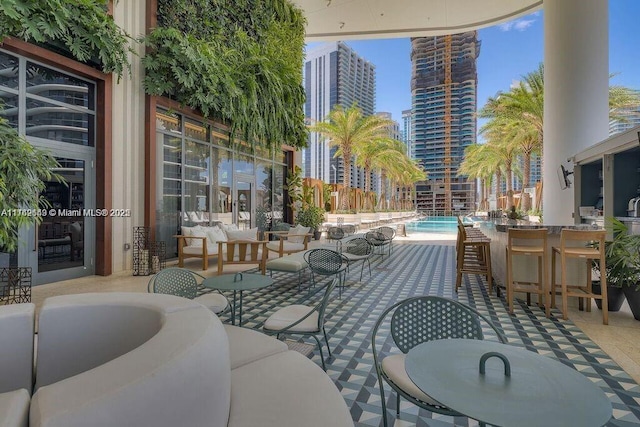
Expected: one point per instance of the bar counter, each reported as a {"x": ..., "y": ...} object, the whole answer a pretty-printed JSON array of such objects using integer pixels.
[{"x": 526, "y": 268}]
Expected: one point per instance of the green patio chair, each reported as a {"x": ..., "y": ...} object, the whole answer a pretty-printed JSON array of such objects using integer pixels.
[
  {"x": 188, "y": 284},
  {"x": 358, "y": 249},
  {"x": 302, "y": 320},
  {"x": 415, "y": 321}
]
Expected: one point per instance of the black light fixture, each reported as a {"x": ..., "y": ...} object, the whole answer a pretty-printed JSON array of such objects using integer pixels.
[{"x": 563, "y": 177}]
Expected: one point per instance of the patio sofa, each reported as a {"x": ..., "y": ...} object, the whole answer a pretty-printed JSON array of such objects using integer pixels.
[{"x": 124, "y": 359}]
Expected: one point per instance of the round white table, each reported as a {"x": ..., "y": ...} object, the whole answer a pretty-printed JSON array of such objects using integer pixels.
[
  {"x": 538, "y": 391},
  {"x": 238, "y": 282}
]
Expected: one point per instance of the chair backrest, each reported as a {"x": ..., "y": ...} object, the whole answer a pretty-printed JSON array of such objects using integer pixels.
[
  {"x": 569, "y": 237},
  {"x": 335, "y": 233},
  {"x": 539, "y": 236},
  {"x": 324, "y": 261},
  {"x": 388, "y": 232},
  {"x": 175, "y": 281},
  {"x": 358, "y": 246},
  {"x": 427, "y": 318},
  {"x": 375, "y": 237},
  {"x": 349, "y": 229}
]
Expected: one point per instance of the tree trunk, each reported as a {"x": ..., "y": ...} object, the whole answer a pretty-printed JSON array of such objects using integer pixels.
[
  {"x": 509, "y": 178},
  {"x": 498, "y": 188},
  {"x": 346, "y": 181},
  {"x": 526, "y": 181}
]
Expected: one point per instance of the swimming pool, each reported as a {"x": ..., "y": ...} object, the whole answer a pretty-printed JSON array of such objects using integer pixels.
[{"x": 434, "y": 224}]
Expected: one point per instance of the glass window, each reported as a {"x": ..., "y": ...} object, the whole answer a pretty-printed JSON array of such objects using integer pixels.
[
  {"x": 221, "y": 186},
  {"x": 168, "y": 189},
  {"x": 244, "y": 164},
  {"x": 58, "y": 123},
  {"x": 9, "y": 67},
  {"x": 60, "y": 87},
  {"x": 264, "y": 192},
  {"x": 279, "y": 172},
  {"x": 196, "y": 182},
  {"x": 195, "y": 130},
  {"x": 170, "y": 122},
  {"x": 9, "y": 107},
  {"x": 220, "y": 135}
]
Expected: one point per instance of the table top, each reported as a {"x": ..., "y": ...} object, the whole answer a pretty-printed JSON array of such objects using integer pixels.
[
  {"x": 237, "y": 282},
  {"x": 539, "y": 392}
]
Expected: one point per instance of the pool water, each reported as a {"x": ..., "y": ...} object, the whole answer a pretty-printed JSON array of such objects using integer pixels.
[{"x": 434, "y": 224}]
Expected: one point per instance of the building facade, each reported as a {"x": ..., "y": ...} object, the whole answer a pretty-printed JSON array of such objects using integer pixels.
[
  {"x": 334, "y": 74},
  {"x": 407, "y": 129},
  {"x": 630, "y": 119},
  {"x": 444, "y": 102},
  {"x": 128, "y": 159}
]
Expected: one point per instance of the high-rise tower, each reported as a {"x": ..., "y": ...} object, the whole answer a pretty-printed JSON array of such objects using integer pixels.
[
  {"x": 444, "y": 101},
  {"x": 334, "y": 74}
]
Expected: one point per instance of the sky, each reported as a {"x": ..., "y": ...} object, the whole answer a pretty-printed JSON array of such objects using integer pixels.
[{"x": 508, "y": 51}]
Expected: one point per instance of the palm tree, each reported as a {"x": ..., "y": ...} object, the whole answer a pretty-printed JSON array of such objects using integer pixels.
[
  {"x": 522, "y": 110},
  {"x": 346, "y": 129}
]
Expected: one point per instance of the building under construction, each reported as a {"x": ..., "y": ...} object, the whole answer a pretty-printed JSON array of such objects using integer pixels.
[{"x": 444, "y": 101}]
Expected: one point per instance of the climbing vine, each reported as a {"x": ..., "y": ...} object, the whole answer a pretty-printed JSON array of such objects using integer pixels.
[{"x": 235, "y": 60}]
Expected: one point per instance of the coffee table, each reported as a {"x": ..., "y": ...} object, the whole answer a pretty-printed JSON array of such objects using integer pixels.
[
  {"x": 538, "y": 391},
  {"x": 237, "y": 283}
]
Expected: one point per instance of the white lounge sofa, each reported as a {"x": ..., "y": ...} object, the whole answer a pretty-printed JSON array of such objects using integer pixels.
[{"x": 133, "y": 359}]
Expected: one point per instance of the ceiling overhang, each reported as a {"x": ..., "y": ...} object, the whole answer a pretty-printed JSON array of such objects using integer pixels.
[{"x": 329, "y": 20}]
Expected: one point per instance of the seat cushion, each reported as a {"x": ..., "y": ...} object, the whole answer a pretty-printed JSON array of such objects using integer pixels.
[
  {"x": 287, "y": 246},
  {"x": 393, "y": 367},
  {"x": 291, "y": 263},
  {"x": 290, "y": 314},
  {"x": 197, "y": 250},
  {"x": 251, "y": 234},
  {"x": 213, "y": 301},
  {"x": 14, "y": 408},
  {"x": 247, "y": 345},
  {"x": 285, "y": 390}
]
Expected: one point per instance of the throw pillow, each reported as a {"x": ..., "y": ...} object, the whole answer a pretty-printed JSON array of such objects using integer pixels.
[
  {"x": 251, "y": 234},
  {"x": 186, "y": 231},
  {"x": 197, "y": 232},
  {"x": 296, "y": 232},
  {"x": 216, "y": 235},
  {"x": 227, "y": 227}
]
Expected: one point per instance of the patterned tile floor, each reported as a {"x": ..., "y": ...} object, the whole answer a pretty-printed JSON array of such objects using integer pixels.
[{"x": 421, "y": 269}]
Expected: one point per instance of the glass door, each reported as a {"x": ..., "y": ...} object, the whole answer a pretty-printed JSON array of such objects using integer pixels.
[
  {"x": 243, "y": 202},
  {"x": 62, "y": 246}
]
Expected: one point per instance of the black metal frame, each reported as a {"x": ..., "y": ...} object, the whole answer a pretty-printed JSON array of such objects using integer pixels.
[{"x": 15, "y": 285}]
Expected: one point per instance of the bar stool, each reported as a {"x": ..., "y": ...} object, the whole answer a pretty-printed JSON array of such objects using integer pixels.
[
  {"x": 528, "y": 243},
  {"x": 579, "y": 244},
  {"x": 473, "y": 256}
]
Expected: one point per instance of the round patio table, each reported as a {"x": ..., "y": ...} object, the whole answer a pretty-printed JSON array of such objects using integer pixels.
[
  {"x": 237, "y": 283},
  {"x": 538, "y": 391}
]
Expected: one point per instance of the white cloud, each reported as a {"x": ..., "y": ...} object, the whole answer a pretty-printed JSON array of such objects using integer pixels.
[{"x": 518, "y": 24}]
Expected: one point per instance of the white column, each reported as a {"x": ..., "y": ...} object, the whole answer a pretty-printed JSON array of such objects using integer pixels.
[{"x": 576, "y": 84}]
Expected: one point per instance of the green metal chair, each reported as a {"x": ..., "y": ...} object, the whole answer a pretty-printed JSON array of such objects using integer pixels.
[
  {"x": 327, "y": 262},
  {"x": 415, "y": 321},
  {"x": 188, "y": 284},
  {"x": 358, "y": 249},
  {"x": 302, "y": 320}
]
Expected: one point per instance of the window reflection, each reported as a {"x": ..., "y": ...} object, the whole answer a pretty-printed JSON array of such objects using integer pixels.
[{"x": 9, "y": 67}]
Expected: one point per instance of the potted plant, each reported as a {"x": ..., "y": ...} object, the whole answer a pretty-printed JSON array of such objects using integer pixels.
[
  {"x": 623, "y": 265},
  {"x": 311, "y": 216}
]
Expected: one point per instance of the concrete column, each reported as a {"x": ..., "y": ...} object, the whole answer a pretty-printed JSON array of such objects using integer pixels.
[{"x": 576, "y": 86}]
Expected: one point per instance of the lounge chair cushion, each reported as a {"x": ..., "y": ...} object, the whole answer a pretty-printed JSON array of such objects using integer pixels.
[
  {"x": 198, "y": 232},
  {"x": 290, "y": 263},
  {"x": 197, "y": 250},
  {"x": 215, "y": 234},
  {"x": 393, "y": 367},
  {"x": 290, "y": 314}
]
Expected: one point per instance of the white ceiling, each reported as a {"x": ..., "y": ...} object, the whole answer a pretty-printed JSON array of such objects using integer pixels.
[{"x": 367, "y": 19}]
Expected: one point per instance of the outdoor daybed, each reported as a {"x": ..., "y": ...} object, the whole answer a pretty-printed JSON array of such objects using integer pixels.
[{"x": 133, "y": 359}]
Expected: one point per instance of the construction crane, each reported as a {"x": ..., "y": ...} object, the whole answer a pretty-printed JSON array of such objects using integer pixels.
[{"x": 447, "y": 123}]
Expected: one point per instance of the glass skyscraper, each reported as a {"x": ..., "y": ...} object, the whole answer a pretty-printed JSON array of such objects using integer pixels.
[{"x": 334, "y": 74}]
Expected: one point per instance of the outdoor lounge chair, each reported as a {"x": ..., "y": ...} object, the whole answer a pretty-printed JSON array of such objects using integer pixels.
[
  {"x": 327, "y": 262},
  {"x": 413, "y": 322},
  {"x": 358, "y": 249}
]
